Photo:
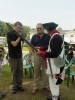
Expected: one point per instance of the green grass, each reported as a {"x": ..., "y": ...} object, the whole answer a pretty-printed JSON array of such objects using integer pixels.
[{"x": 5, "y": 85}]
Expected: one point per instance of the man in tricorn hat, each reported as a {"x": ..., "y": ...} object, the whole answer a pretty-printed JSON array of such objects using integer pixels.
[{"x": 55, "y": 49}]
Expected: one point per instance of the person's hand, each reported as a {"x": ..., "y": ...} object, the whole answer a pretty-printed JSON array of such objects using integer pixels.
[
  {"x": 19, "y": 38},
  {"x": 38, "y": 52},
  {"x": 40, "y": 48},
  {"x": 37, "y": 47}
]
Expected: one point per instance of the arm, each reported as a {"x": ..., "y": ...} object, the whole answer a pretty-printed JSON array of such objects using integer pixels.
[
  {"x": 30, "y": 55},
  {"x": 55, "y": 45},
  {"x": 15, "y": 43},
  {"x": 41, "y": 48},
  {"x": 22, "y": 44},
  {"x": 10, "y": 39},
  {"x": 30, "y": 51}
]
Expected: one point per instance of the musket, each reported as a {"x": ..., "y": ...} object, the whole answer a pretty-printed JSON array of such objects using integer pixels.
[
  {"x": 22, "y": 37},
  {"x": 50, "y": 67}
]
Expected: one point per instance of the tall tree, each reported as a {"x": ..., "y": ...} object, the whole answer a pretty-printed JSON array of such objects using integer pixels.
[{"x": 4, "y": 29}]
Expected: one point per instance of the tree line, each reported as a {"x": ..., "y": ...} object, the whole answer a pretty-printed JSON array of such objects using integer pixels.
[{"x": 4, "y": 29}]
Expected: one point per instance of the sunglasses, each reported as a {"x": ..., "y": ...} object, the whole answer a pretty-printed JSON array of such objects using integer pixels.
[{"x": 39, "y": 28}]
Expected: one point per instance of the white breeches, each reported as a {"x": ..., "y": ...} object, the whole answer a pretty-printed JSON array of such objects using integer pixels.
[{"x": 53, "y": 87}]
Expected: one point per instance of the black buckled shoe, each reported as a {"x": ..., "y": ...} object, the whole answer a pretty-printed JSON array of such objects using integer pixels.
[
  {"x": 2, "y": 95},
  {"x": 50, "y": 98},
  {"x": 58, "y": 98},
  {"x": 20, "y": 88},
  {"x": 14, "y": 91}
]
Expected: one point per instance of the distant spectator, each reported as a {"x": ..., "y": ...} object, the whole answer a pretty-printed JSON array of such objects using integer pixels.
[{"x": 1, "y": 60}]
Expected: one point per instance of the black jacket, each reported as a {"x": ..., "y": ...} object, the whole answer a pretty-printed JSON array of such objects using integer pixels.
[{"x": 55, "y": 45}]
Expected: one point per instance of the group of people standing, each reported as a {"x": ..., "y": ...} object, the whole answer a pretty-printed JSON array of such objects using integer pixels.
[{"x": 49, "y": 46}]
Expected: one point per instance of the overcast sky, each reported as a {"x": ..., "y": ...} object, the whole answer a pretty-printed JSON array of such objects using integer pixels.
[{"x": 30, "y": 12}]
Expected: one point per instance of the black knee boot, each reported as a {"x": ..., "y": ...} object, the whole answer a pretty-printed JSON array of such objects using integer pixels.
[{"x": 50, "y": 98}]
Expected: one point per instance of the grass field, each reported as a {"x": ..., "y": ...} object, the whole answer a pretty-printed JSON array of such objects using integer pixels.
[{"x": 5, "y": 85}]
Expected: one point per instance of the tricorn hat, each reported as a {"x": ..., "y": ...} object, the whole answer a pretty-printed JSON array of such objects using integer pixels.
[{"x": 50, "y": 26}]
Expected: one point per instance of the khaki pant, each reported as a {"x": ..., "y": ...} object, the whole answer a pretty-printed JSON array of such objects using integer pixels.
[
  {"x": 16, "y": 65},
  {"x": 38, "y": 63}
]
